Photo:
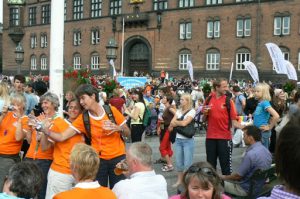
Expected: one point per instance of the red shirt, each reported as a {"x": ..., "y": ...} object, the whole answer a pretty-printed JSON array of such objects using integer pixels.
[{"x": 217, "y": 125}]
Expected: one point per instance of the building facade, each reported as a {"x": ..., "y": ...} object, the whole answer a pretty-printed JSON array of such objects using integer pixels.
[{"x": 158, "y": 34}]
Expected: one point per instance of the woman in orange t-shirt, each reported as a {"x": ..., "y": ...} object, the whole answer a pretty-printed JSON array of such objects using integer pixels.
[
  {"x": 84, "y": 166},
  {"x": 13, "y": 128}
]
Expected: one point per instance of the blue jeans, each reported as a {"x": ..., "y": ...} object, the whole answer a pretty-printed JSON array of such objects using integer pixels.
[
  {"x": 265, "y": 138},
  {"x": 184, "y": 151}
]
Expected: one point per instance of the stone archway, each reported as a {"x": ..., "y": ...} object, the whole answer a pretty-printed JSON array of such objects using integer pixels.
[{"x": 137, "y": 55}]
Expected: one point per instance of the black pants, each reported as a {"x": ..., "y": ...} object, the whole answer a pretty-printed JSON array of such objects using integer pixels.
[
  {"x": 106, "y": 172},
  {"x": 136, "y": 132},
  {"x": 222, "y": 149}
]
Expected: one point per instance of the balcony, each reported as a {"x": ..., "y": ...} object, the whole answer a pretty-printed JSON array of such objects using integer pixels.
[
  {"x": 16, "y": 33},
  {"x": 136, "y": 19}
]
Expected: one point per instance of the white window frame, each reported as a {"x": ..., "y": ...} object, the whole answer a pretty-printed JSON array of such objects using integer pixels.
[
  {"x": 33, "y": 41},
  {"x": 95, "y": 36},
  {"x": 96, "y": 8},
  {"x": 77, "y": 9},
  {"x": 77, "y": 38},
  {"x": 282, "y": 25},
  {"x": 243, "y": 27},
  {"x": 213, "y": 2},
  {"x": 33, "y": 61},
  {"x": 160, "y": 5},
  {"x": 44, "y": 64},
  {"x": 213, "y": 60},
  {"x": 183, "y": 58},
  {"x": 185, "y": 30},
  {"x": 77, "y": 62},
  {"x": 186, "y": 3},
  {"x": 213, "y": 29},
  {"x": 95, "y": 62},
  {"x": 244, "y": 56},
  {"x": 44, "y": 41}
]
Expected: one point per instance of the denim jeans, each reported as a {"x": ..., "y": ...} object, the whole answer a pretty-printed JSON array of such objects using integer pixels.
[
  {"x": 265, "y": 138},
  {"x": 184, "y": 151}
]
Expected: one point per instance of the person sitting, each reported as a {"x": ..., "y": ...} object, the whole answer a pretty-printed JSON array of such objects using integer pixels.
[
  {"x": 256, "y": 157},
  {"x": 84, "y": 163},
  {"x": 24, "y": 180},
  {"x": 143, "y": 182},
  {"x": 201, "y": 181},
  {"x": 287, "y": 161}
]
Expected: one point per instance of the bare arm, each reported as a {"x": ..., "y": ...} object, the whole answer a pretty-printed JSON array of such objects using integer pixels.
[
  {"x": 134, "y": 114},
  {"x": 273, "y": 120},
  {"x": 45, "y": 143},
  {"x": 233, "y": 176},
  {"x": 184, "y": 122},
  {"x": 19, "y": 135},
  {"x": 60, "y": 137}
]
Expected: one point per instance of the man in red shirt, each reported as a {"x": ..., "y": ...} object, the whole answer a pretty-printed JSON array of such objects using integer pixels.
[{"x": 218, "y": 136}]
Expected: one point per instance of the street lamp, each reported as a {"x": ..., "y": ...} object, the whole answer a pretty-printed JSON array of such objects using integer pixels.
[
  {"x": 111, "y": 53},
  {"x": 19, "y": 56}
]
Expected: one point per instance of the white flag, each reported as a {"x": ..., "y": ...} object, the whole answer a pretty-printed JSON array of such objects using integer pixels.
[
  {"x": 291, "y": 71},
  {"x": 231, "y": 70},
  {"x": 251, "y": 68},
  {"x": 111, "y": 62},
  {"x": 191, "y": 70},
  {"x": 277, "y": 58}
]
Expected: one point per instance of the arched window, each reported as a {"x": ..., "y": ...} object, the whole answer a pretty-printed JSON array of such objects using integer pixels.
[
  {"x": 76, "y": 61},
  {"x": 44, "y": 62},
  {"x": 185, "y": 55},
  {"x": 95, "y": 61},
  {"x": 242, "y": 54},
  {"x": 33, "y": 62},
  {"x": 213, "y": 59}
]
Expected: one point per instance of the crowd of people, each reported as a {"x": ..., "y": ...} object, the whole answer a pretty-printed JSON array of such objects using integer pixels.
[{"x": 76, "y": 154}]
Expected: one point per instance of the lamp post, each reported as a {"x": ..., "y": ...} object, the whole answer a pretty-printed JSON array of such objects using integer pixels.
[
  {"x": 111, "y": 54},
  {"x": 19, "y": 56}
]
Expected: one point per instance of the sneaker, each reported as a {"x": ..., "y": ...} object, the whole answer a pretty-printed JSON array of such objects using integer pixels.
[{"x": 167, "y": 168}]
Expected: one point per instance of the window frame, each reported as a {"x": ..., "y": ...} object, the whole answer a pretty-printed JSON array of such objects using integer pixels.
[
  {"x": 240, "y": 53},
  {"x": 115, "y": 7},
  {"x": 44, "y": 40},
  {"x": 160, "y": 5},
  {"x": 213, "y": 29},
  {"x": 44, "y": 62},
  {"x": 32, "y": 16},
  {"x": 33, "y": 62},
  {"x": 244, "y": 30},
  {"x": 281, "y": 27},
  {"x": 95, "y": 36},
  {"x": 46, "y": 14},
  {"x": 96, "y": 8},
  {"x": 14, "y": 17},
  {"x": 77, "y": 9},
  {"x": 213, "y": 2},
  {"x": 185, "y": 30},
  {"x": 184, "y": 56},
  {"x": 212, "y": 56},
  {"x": 77, "y": 38},
  {"x": 77, "y": 61},
  {"x": 33, "y": 41},
  {"x": 95, "y": 61},
  {"x": 186, "y": 3}
]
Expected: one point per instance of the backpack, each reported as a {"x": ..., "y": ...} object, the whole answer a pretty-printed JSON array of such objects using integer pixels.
[
  {"x": 228, "y": 107},
  {"x": 87, "y": 125},
  {"x": 147, "y": 117}
]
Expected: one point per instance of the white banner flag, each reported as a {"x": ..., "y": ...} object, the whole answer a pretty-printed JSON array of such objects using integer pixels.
[
  {"x": 191, "y": 70},
  {"x": 251, "y": 68},
  {"x": 111, "y": 62},
  {"x": 231, "y": 69},
  {"x": 291, "y": 71},
  {"x": 277, "y": 58}
]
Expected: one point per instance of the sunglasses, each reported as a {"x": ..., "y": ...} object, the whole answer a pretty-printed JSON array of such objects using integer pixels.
[{"x": 205, "y": 170}]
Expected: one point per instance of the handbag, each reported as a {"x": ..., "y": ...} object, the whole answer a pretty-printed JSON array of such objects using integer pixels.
[{"x": 188, "y": 130}]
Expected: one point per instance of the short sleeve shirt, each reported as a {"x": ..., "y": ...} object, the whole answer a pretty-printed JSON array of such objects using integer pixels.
[
  {"x": 261, "y": 115},
  {"x": 179, "y": 114}
]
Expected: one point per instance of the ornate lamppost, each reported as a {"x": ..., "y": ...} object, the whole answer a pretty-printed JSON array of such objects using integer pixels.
[{"x": 19, "y": 56}]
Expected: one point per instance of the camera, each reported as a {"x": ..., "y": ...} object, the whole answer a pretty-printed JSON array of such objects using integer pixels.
[{"x": 39, "y": 126}]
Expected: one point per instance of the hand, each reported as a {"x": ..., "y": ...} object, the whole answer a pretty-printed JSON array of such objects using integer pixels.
[
  {"x": 158, "y": 131},
  {"x": 110, "y": 127},
  {"x": 170, "y": 128},
  {"x": 265, "y": 128}
]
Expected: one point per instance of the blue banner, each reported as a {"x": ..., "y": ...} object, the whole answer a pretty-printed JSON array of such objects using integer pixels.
[{"x": 132, "y": 82}]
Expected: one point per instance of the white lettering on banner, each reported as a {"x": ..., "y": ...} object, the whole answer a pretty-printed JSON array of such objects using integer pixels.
[
  {"x": 291, "y": 71},
  {"x": 277, "y": 58},
  {"x": 251, "y": 68}
]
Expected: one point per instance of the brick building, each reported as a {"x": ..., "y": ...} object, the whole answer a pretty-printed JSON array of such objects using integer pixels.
[{"x": 158, "y": 34}]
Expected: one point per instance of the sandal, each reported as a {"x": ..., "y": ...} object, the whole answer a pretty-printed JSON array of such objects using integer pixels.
[{"x": 167, "y": 168}]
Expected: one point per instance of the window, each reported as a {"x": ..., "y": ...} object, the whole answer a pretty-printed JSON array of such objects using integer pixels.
[
  {"x": 44, "y": 64},
  {"x": 243, "y": 54},
  {"x": 96, "y": 7},
  {"x": 14, "y": 17},
  {"x": 243, "y": 1},
  {"x": 299, "y": 60},
  {"x": 77, "y": 38},
  {"x": 33, "y": 62},
  {"x": 65, "y": 10},
  {"x": 44, "y": 40},
  {"x": 213, "y": 29},
  {"x": 77, "y": 9},
  {"x": 46, "y": 14},
  {"x": 115, "y": 7},
  {"x": 184, "y": 56},
  {"x": 160, "y": 5},
  {"x": 33, "y": 41},
  {"x": 32, "y": 16},
  {"x": 95, "y": 36},
  {"x": 185, "y": 30},
  {"x": 213, "y": 59},
  {"x": 243, "y": 27},
  {"x": 95, "y": 60},
  {"x": 77, "y": 61},
  {"x": 282, "y": 25},
  {"x": 213, "y": 2},
  {"x": 186, "y": 3}
]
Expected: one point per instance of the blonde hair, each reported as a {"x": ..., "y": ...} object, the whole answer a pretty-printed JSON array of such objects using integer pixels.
[
  {"x": 4, "y": 93},
  {"x": 188, "y": 98},
  {"x": 19, "y": 98},
  {"x": 265, "y": 90},
  {"x": 84, "y": 162}
]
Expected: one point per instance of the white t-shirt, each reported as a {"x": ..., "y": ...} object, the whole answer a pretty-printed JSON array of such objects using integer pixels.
[{"x": 179, "y": 114}]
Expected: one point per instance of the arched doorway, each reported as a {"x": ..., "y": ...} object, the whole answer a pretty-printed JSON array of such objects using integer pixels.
[{"x": 137, "y": 55}]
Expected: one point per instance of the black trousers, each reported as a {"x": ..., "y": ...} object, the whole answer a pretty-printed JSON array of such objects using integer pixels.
[
  {"x": 137, "y": 132},
  {"x": 222, "y": 149}
]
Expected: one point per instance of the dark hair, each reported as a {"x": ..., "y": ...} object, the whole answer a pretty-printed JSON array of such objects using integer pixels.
[
  {"x": 236, "y": 89},
  {"x": 19, "y": 77},
  {"x": 297, "y": 96},
  {"x": 206, "y": 175},
  {"x": 169, "y": 99},
  {"x": 26, "y": 179},
  {"x": 217, "y": 82},
  {"x": 87, "y": 89},
  {"x": 40, "y": 87},
  {"x": 140, "y": 95},
  {"x": 253, "y": 131},
  {"x": 287, "y": 157}
]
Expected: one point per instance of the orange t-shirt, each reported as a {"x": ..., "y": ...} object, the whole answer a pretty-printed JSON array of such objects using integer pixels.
[
  {"x": 79, "y": 193},
  {"x": 62, "y": 150},
  {"x": 8, "y": 143},
  {"x": 108, "y": 146}
]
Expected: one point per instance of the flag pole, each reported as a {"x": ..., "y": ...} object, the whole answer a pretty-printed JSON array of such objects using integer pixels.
[{"x": 123, "y": 32}]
